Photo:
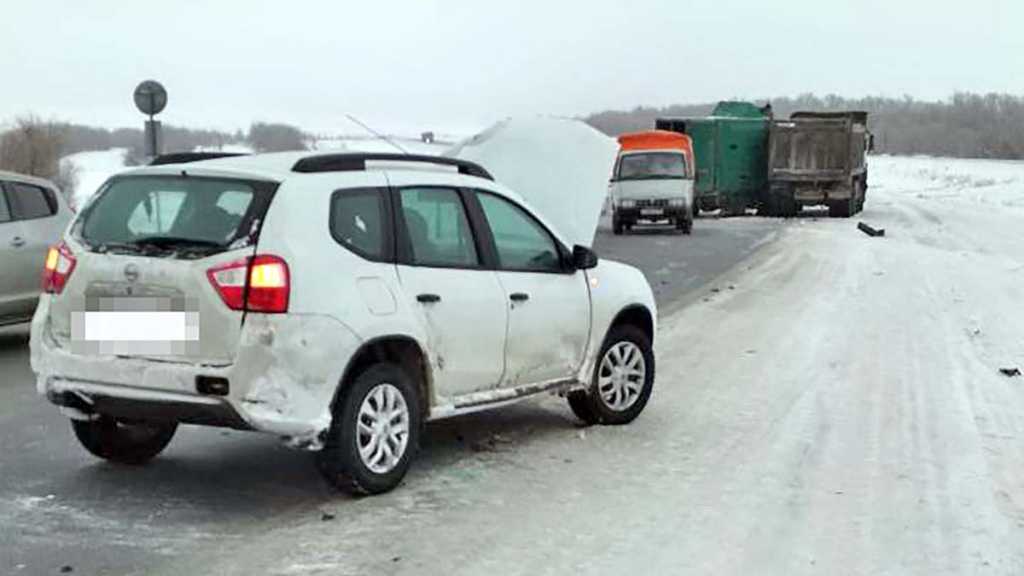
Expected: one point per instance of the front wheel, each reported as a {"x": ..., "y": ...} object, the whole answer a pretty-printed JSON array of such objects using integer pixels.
[
  {"x": 374, "y": 432},
  {"x": 622, "y": 382},
  {"x": 123, "y": 442}
]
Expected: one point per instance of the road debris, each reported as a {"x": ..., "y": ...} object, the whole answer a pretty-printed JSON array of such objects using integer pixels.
[
  {"x": 1010, "y": 372},
  {"x": 870, "y": 231},
  {"x": 327, "y": 517}
]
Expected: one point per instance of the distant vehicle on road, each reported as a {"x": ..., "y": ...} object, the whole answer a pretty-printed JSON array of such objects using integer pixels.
[
  {"x": 730, "y": 146},
  {"x": 817, "y": 158},
  {"x": 653, "y": 181},
  {"x": 33, "y": 215},
  {"x": 335, "y": 300}
]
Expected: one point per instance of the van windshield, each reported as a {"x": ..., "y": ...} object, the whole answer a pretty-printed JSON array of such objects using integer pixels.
[
  {"x": 652, "y": 165},
  {"x": 168, "y": 213}
]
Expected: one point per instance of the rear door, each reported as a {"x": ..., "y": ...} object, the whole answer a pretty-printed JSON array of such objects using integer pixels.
[
  {"x": 35, "y": 209},
  {"x": 549, "y": 306},
  {"x": 146, "y": 249},
  {"x": 17, "y": 281},
  {"x": 461, "y": 304}
]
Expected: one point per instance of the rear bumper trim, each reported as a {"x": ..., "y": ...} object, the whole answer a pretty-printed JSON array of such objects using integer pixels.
[{"x": 129, "y": 402}]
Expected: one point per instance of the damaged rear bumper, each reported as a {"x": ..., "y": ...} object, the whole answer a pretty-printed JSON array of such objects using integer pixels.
[
  {"x": 281, "y": 382},
  {"x": 82, "y": 400}
]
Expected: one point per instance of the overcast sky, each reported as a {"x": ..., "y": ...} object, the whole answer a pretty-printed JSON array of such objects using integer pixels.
[{"x": 460, "y": 65}]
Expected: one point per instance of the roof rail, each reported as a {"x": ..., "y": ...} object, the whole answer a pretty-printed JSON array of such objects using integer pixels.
[
  {"x": 356, "y": 161},
  {"x": 186, "y": 157}
]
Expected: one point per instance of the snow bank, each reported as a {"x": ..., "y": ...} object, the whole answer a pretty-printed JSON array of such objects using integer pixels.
[
  {"x": 560, "y": 166},
  {"x": 232, "y": 148},
  {"x": 378, "y": 145},
  {"x": 93, "y": 170},
  {"x": 999, "y": 184}
]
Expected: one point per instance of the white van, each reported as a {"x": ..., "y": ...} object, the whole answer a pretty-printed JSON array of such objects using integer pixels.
[{"x": 653, "y": 181}]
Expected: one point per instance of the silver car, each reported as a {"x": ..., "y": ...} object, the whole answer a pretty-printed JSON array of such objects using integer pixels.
[{"x": 33, "y": 215}]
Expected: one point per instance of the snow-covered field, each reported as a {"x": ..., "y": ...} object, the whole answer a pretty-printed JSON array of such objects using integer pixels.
[
  {"x": 93, "y": 169},
  {"x": 832, "y": 406}
]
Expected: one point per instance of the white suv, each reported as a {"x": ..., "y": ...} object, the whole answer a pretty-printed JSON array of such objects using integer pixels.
[{"x": 336, "y": 300}]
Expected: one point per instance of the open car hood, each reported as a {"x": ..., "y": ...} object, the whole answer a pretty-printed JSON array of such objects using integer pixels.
[{"x": 560, "y": 166}]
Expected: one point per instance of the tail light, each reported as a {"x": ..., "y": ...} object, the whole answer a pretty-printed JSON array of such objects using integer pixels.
[
  {"x": 60, "y": 263},
  {"x": 257, "y": 284}
]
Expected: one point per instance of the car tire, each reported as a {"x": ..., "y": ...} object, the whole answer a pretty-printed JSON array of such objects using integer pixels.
[
  {"x": 123, "y": 442},
  {"x": 617, "y": 397},
  {"x": 360, "y": 453},
  {"x": 616, "y": 227}
]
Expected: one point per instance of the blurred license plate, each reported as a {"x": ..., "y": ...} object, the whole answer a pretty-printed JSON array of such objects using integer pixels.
[
  {"x": 141, "y": 326},
  {"x": 652, "y": 212}
]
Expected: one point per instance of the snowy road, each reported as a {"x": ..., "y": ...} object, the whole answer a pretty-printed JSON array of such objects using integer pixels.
[
  {"x": 61, "y": 507},
  {"x": 840, "y": 411},
  {"x": 835, "y": 407}
]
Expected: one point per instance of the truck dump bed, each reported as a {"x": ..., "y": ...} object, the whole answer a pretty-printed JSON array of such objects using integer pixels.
[{"x": 817, "y": 146}]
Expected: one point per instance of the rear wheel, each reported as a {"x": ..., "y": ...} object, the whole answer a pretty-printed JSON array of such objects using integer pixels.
[
  {"x": 123, "y": 442},
  {"x": 622, "y": 382},
  {"x": 374, "y": 433},
  {"x": 842, "y": 208},
  {"x": 616, "y": 225}
]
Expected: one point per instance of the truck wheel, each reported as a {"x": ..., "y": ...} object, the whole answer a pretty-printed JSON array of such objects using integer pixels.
[
  {"x": 123, "y": 442},
  {"x": 374, "y": 433},
  {"x": 622, "y": 382},
  {"x": 786, "y": 205},
  {"x": 841, "y": 208},
  {"x": 616, "y": 224},
  {"x": 767, "y": 208}
]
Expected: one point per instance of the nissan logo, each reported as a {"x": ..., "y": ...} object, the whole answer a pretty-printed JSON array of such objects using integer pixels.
[{"x": 131, "y": 273}]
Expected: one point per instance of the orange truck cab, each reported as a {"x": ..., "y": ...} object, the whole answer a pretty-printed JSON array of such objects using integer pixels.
[{"x": 653, "y": 180}]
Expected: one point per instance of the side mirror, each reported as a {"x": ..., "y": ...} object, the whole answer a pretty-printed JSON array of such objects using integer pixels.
[{"x": 583, "y": 258}]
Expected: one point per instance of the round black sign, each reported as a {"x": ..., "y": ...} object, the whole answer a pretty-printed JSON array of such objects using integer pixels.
[{"x": 150, "y": 97}]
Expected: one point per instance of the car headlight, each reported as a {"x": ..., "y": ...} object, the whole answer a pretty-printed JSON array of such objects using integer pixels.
[
  {"x": 628, "y": 203},
  {"x": 678, "y": 202}
]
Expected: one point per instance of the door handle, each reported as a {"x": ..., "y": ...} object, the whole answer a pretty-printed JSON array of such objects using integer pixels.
[
  {"x": 519, "y": 297},
  {"x": 428, "y": 298},
  {"x": 17, "y": 242}
]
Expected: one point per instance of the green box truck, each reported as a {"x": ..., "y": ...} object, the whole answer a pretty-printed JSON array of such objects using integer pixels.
[{"x": 730, "y": 148}]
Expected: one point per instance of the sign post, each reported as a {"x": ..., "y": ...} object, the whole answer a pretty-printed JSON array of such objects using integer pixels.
[{"x": 151, "y": 99}]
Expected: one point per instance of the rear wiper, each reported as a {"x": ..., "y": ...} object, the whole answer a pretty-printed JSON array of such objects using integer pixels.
[{"x": 175, "y": 241}]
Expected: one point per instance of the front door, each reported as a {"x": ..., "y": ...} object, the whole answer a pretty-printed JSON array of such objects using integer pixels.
[
  {"x": 461, "y": 305},
  {"x": 549, "y": 308}
]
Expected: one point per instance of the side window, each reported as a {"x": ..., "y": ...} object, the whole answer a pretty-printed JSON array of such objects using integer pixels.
[
  {"x": 358, "y": 222},
  {"x": 439, "y": 233},
  {"x": 5, "y": 213},
  {"x": 522, "y": 243},
  {"x": 29, "y": 202}
]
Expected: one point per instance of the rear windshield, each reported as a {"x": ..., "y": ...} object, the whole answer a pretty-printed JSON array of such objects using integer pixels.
[
  {"x": 169, "y": 213},
  {"x": 652, "y": 165}
]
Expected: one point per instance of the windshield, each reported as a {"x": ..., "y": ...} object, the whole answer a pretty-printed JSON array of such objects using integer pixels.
[
  {"x": 168, "y": 212},
  {"x": 652, "y": 165}
]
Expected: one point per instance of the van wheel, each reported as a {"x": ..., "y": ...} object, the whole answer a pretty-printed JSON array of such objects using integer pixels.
[
  {"x": 616, "y": 226},
  {"x": 622, "y": 382},
  {"x": 374, "y": 433},
  {"x": 123, "y": 442}
]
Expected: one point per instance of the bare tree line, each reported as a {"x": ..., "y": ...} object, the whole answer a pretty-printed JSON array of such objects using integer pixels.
[
  {"x": 34, "y": 146},
  {"x": 966, "y": 126}
]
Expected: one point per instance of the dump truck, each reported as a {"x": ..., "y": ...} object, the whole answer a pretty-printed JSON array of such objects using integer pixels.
[
  {"x": 817, "y": 158},
  {"x": 730, "y": 147}
]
